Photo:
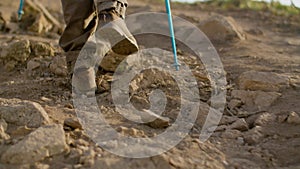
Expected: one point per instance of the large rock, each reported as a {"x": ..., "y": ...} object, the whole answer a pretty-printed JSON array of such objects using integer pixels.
[
  {"x": 42, "y": 49},
  {"x": 44, "y": 142},
  {"x": 255, "y": 100},
  {"x": 264, "y": 81},
  {"x": 19, "y": 52},
  {"x": 23, "y": 113},
  {"x": 220, "y": 29},
  {"x": 15, "y": 53}
]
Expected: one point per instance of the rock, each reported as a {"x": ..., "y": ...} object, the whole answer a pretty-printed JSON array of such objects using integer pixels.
[
  {"x": 154, "y": 120},
  {"x": 293, "y": 42},
  {"x": 228, "y": 120},
  {"x": 240, "y": 125},
  {"x": 10, "y": 65},
  {"x": 41, "y": 166},
  {"x": 264, "y": 81},
  {"x": 255, "y": 100},
  {"x": 140, "y": 101},
  {"x": 3, "y": 128},
  {"x": 282, "y": 118},
  {"x": 204, "y": 110},
  {"x": 3, "y": 124},
  {"x": 251, "y": 120},
  {"x": 44, "y": 142},
  {"x": 130, "y": 131},
  {"x": 293, "y": 118},
  {"x": 240, "y": 140},
  {"x": 87, "y": 159},
  {"x": 231, "y": 134},
  {"x": 16, "y": 52},
  {"x": 178, "y": 162},
  {"x": 265, "y": 119},
  {"x": 22, "y": 131},
  {"x": 255, "y": 31},
  {"x": 254, "y": 135},
  {"x": 40, "y": 24},
  {"x": 234, "y": 103},
  {"x": 19, "y": 51},
  {"x": 23, "y": 113},
  {"x": 73, "y": 123},
  {"x": 221, "y": 29},
  {"x": 42, "y": 49},
  {"x": 103, "y": 83},
  {"x": 244, "y": 114},
  {"x": 12, "y": 28},
  {"x": 33, "y": 64},
  {"x": 59, "y": 66},
  {"x": 111, "y": 61}
]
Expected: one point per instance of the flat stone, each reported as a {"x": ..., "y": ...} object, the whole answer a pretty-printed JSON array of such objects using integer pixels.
[
  {"x": 255, "y": 100},
  {"x": 231, "y": 134},
  {"x": 73, "y": 123},
  {"x": 46, "y": 141},
  {"x": 265, "y": 119},
  {"x": 226, "y": 120},
  {"x": 263, "y": 81},
  {"x": 293, "y": 118},
  {"x": 33, "y": 64},
  {"x": 23, "y": 113},
  {"x": 221, "y": 29},
  {"x": 154, "y": 120},
  {"x": 240, "y": 125}
]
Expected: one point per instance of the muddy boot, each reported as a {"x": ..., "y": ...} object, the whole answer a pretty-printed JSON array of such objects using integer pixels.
[{"x": 116, "y": 32}]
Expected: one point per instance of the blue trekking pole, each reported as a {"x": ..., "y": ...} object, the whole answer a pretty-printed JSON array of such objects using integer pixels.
[
  {"x": 168, "y": 8},
  {"x": 20, "y": 11}
]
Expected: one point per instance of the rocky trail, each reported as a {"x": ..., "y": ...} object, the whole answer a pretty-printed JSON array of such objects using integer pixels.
[{"x": 260, "y": 126}]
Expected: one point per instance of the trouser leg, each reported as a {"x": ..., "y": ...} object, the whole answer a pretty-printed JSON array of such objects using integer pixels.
[{"x": 81, "y": 21}]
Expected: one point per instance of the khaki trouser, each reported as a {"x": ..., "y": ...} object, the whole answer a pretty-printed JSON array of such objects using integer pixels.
[
  {"x": 81, "y": 21},
  {"x": 81, "y": 17}
]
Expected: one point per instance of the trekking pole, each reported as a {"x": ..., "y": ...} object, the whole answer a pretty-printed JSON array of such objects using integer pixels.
[
  {"x": 168, "y": 8},
  {"x": 20, "y": 11}
]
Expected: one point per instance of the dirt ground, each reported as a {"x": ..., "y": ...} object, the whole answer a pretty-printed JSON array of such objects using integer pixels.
[{"x": 271, "y": 138}]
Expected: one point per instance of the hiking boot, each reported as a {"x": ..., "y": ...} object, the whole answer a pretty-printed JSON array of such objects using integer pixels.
[{"x": 114, "y": 29}]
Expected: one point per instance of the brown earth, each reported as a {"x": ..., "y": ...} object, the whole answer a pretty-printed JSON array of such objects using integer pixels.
[{"x": 260, "y": 127}]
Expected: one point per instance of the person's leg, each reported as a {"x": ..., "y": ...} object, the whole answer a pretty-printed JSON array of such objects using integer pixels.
[
  {"x": 80, "y": 18},
  {"x": 81, "y": 21}
]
